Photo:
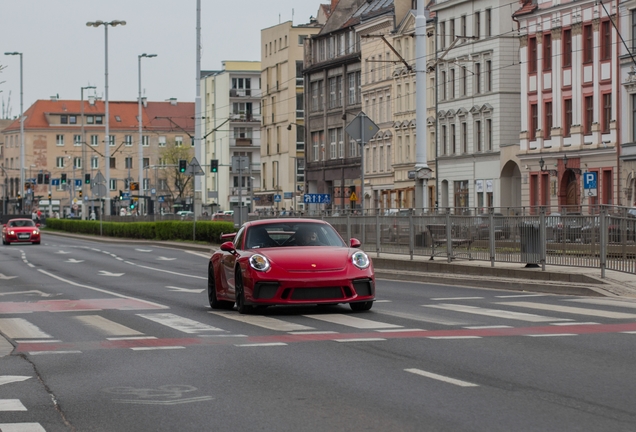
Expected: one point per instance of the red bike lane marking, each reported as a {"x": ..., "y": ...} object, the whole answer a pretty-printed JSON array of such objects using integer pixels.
[
  {"x": 75, "y": 305},
  {"x": 26, "y": 347}
]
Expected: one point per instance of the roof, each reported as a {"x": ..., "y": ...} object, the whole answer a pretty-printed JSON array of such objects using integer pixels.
[
  {"x": 527, "y": 7},
  {"x": 123, "y": 115},
  {"x": 342, "y": 16}
]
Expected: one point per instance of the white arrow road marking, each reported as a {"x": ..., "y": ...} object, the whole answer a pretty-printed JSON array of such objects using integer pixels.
[
  {"x": 165, "y": 259},
  {"x": 177, "y": 289},
  {"x": 62, "y": 252},
  {"x": 105, "y": 273},
  {"x": 143, "y": 250},
  {"x": 8, "y": 379},
  {"x": 11, "y": 405},
  {"x": 7, "y": 277},
  {"x": 74, "y": 261}
]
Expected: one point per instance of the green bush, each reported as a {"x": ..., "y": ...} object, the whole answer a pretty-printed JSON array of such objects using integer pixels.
[{"x": 206, "y": 231}]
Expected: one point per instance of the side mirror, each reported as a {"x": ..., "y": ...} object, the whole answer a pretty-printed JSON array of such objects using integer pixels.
[
  {"x": 354, "y": 243},
  {"x": 37, "y": 225},
  {"x": 228, "y": 247}
]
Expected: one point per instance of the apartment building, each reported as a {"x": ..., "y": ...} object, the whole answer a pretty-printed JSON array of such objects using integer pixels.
[
  {"x": 477, "y": 104},
  {"x": 627, "y": 117},
  {"x": 570, "y": 77},
  {"x": 283, "y": 108},
  {"x": 232, "y": 110},
  {"x": 64, "y": 138}
]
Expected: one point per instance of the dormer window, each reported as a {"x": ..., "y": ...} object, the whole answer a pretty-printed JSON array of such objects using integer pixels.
[
  {"x": 72, "y": 119},
  {"x": 64, "y": 119}
]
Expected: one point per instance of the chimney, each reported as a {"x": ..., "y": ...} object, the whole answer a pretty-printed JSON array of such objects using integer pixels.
[
  {"x": 173, "y": 101},
  {"x": 91, "y": 100},
  {"x": 54, "y": 98},
  {"x": 144, "y": 102}
]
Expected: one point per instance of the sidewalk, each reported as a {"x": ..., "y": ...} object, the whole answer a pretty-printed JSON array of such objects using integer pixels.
[{"x": 512, "y": 276}]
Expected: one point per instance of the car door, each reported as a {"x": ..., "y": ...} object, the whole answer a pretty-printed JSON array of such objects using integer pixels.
[{"x": 228, "y": 262}]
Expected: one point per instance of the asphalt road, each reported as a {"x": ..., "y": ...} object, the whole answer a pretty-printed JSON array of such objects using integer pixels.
[{"x": 119, "y": 337}]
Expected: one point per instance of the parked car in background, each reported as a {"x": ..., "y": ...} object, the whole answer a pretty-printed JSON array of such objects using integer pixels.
[
  {"x": 502, "y": 228},
  {"x": 568, "y": 227},
  {"x": 20, "y": 231},
  {"x": 618, "y": 229}
]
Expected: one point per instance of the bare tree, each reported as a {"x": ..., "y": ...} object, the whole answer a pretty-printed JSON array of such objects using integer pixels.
[{"x": 179, "y": 184}]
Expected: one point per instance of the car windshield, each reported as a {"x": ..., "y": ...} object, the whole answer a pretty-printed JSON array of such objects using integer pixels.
[
  {"x": 292, "y": 234},
  {"x": 21, "y": 223}
]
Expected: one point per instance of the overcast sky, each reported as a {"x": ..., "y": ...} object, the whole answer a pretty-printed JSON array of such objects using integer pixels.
[{"x": 61, "y": 54}]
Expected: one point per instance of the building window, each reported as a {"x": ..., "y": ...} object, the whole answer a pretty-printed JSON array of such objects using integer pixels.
[
  {"x": 351, "y": 78},
  {"x": 532, "y": 55},
  {"x": 534, "y": 123},
  {"x": 128, "y": 140},
  {"x": 442, "y": 35},
  {"x": 477, "y": 78},
  {"x": 453, "y": 138},
  {"x": 452, "y": 83},
  {"x": 547, "y": 124},
  {"x": 341, "y": 149},
  {"x": 589, "y": 114},
  {"x": 99, "y": 120},
  {"x": 64, "y": 119},
  {"x": 488, "y": 75},
  {"x": 94, "y": 140},
  {"x": 478, "y": 138},
  {"x": 72, "y": 119},
  {"x": 606, "y": 40},
  {"x": 333, "y": 144},
  {"x": 464, "y": 84},
  {"x": 588, "y": 43},
  {"x": 444, "y": 141},
  {"x": 547, "y": 52},
  {"x": 461, "y": 194},
  {"x": 113, "y": 184},
  {"x": 77, "y": 140},
  {"x": 442, "y": 86},
  {"x": 77, "y": 162},
  {"x": 94, "y": 162},
  {"x": 488, "y": 22},
  {"x": 162, "y": 141},
  {"x": 489, "y": 136},
  {"x": 90, "y": 119},
  {"x": 567, "y": 120},
  {"x": 607, "y": 112},
  {"x": 178, "y": 141},
  {"x": 567, "y": 48},
  {"x": 144, "y": 140},
  {"x": 464, "y": 138},
  {"x": 463, "y": 25},
  {"x": 129, "y": 163},
  {"x": 59, "y": 140},
  {"x": 477, "y": 31},
  {"x": 59, "y": 162},
  {"x": 113, "y": 163},
  {"x": 111, "y": 140}
]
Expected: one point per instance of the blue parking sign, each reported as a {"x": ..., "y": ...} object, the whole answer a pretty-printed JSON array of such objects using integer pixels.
[{"x": 590, "y": 180}]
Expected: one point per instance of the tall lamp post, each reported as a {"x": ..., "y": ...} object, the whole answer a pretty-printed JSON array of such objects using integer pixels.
[
  {"x": 141, "y": 151},
  {"x": 21, "y": 187},
  {"x": 106, "y": 132},
  {"x": 83, "y": 141}
]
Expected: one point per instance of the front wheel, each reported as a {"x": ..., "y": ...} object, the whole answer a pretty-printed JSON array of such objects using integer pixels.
[
  {"x": 241, "y": 307},
  {"x": 361, "y": 307}
]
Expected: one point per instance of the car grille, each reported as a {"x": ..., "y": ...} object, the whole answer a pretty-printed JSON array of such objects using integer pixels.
[
  {"x": 363, "y": 287},
  {"x": 24, "y": 236},
  {"x": 323, "y": 293},
  {"x": 265, "y": 290}
]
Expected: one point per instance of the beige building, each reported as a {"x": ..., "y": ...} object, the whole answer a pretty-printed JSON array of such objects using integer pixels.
[
  {"x": 64, "y": 139},
  {"x": 232, "y": 110},
  {"x": 283, "y": 127}
]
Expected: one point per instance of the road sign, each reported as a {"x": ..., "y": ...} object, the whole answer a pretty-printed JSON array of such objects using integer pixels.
[
  {"x": 276, "y": 198},
  {"x": 287, "y": 195},
  {"x": 78, "y": 182},
  {"x": 194, "y": 168},
  {"x": 125, "y": 196},
  {"x": 55, "y": 182},
  {"x": 161, "y": 199},
  {"x": 353, "y": 197},
  {"x": 590, "y": 183},
  {"x": 362, "y": 128},
  {"x": 153, "y": 191},
  {"x": 240, "y": 163},
  {"x": 317, "y": 199}
]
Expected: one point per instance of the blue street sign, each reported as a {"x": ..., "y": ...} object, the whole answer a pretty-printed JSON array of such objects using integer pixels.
[
  {"x": 55, "y": 182},
  {"x": 160, "y": 199},
  {"x": 276, "y": 198},
  {"x": 317, "y": 199},
  {"x": 126, "y": 196},
  {"x": 287, "y": 195},
  {"x": 590, "y": 180},
  {"x": 78, "y": 182}
]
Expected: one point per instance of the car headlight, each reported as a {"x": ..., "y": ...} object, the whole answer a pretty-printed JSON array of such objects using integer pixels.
[
  {"x": 360, "y": 260},
  {"x": 36, "y": 232},
  {"x": 11, "y": 232},
  {"x": 259, "y": 262}
]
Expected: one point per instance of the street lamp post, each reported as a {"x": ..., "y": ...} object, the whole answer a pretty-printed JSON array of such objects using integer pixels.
[
  {"x": 21, "y": 187},
  {"x": 106, "y": 132},
  {"x": 141, "y": 152},
  {"x": 83, "y": 140}
]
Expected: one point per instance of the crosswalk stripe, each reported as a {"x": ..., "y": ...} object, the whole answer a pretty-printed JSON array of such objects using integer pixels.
[
  {"x": 425, "y": 318},
  {"x": 176, "y": 322},
  {"x": 265, "y": 322},
  {"x": 572, "y": 310},
  {"x": 350, "y": 321},
  {"x": 16, "y": 328},
  {"x": 11, "y": 405},
  {"x": 106, "y": 326},
  {"x": 21, "y": 427},
  {"x": 606, "y": 302},
  {"x": 495, "y": 313}
]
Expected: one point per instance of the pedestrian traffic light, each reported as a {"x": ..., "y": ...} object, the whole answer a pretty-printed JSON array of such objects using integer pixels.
[
  {"x": 87, "y": 178},
  {"x": 214, "y": 165},
  {"x": 132, "y": 205},
  {"x": 47, "y": 178},
  {"x": 121, "y": 195},
  {"x": 40, "y": 178},
  {"x": 183, "y": 164},
  {"x": 63, "y": 181}
]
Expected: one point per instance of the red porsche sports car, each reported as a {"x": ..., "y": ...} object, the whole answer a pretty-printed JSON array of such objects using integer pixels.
[
  {"x": 289, "y": 262},
  {"x": 20, "y": 230}
]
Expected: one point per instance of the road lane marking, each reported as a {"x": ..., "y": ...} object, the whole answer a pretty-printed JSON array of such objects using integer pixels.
[
  {"x": 360, "y": 340},
  {"x": 31, "y": 341},
  {"x": 574, "y": 323},
  {"x": 312, "y": 332},
  {"x": 441, "y": 378},
  {"x": 131, "y": 338},
  {"x": 572, "y": 310},
  {"x": 106, "y": 326},
  {"x": 458, "y": 298},
  {"x": 21, "y": 427},
  {"x": 606, "y": 302},
  {"x": 185, "y": 290},
  {"x": 454, "y": 337},
  {"x": 262, "y": 344},
  {"x": 551, "y": 335},
  {"x": 11, "y": 405},
  {"x": 52, "y": 352},
  {"x": 427, "y": 319},
  {"x": 8, "y": 379},
  {"x": 19, "y": 328},
  {"x": 179, "y": 323},
  {"x": 405, "y": 330},
  {"x": 521, "y": 295},
  {"x": 156, "y": 348},
  {"x": 351, "y": 321},
  {"x": 264, "y": 322},
  {"x": 495, "y": 313},
  {"x": 487, "y": 327}
]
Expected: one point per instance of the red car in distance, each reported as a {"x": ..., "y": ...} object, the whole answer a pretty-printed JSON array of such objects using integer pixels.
[
  {"x": 289, "y": 262},
  {"x": 20, "y": 231}
]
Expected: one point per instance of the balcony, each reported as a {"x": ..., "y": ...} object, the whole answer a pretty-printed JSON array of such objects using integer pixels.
[
  {"x": 245, "y": 142},
  {"x": 245, "y": 117}
]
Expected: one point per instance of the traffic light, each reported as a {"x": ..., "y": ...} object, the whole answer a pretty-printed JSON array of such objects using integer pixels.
[
  {"x": 132, "y": 205},
  {"x": 87, "y": 178},
  {"x": 49, "y": 196},
  {"x": 121, "y": 195},
  {"x": 214, "y": 165},
  {"x": 134, "y": 186},
  {"x": 183, "y": 164},
  {"x": 80, "y": 194},
  {"x": 40, "y": 178},
  {"x": 19, "y": 196},
  {"x": 47, "y": 178},
  {"x": 63, "y": 181}
]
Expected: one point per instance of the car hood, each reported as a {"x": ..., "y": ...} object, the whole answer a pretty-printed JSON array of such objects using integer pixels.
[{"x": 309, "y": 258}]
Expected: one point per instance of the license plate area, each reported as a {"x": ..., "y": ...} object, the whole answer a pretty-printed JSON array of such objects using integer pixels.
[{"x": 24, "y": 235}]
